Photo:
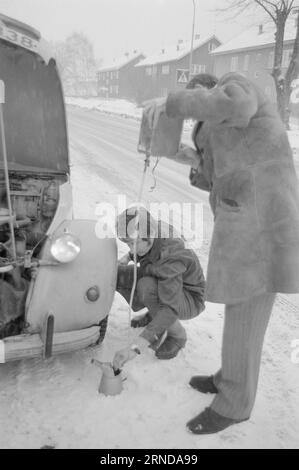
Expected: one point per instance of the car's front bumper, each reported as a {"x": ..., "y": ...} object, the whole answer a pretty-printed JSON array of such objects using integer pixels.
[{"x": 27, "y": 346}]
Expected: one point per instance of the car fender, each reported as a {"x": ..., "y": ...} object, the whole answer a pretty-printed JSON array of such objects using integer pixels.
[{"x": 62, "y": 289}]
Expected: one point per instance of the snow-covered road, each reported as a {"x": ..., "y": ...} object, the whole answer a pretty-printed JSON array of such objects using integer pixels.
[{"x": 57, "y": 403}]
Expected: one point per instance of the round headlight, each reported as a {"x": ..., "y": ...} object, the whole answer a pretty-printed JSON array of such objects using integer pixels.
[{"x": 65, "y": 248}]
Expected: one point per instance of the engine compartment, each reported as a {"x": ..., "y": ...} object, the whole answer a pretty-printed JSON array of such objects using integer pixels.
[{"x": 34, "y": 200}]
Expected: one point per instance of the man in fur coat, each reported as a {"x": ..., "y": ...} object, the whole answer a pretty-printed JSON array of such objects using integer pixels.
[{"x": 255, "y": 245}]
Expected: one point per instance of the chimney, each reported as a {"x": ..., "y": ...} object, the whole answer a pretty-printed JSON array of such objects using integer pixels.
[
  {"x": 135, "y": 51},
  {"x": 178, "y": 47},
  {"x": 163, "y": 51},
  {"x": 180, "y": 41},
  {"x": 127, "y": 54},
  {"x": 197, "y": 36},
  {"x": 261, "y": 29}
]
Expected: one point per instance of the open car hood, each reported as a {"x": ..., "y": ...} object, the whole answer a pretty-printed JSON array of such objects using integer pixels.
[{"x": 34, "y": 111}]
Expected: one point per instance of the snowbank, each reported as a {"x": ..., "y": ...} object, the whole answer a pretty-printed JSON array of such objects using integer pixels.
[
  {"x": 129, "y": 109},
  {"x": 124, "y": 108}
]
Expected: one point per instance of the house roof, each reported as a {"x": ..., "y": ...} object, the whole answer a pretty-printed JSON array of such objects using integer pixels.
[
  {"x": 251, "y": 38},
  {"x": 171, "y": 53},
  {"x": 120, "y": 62}
]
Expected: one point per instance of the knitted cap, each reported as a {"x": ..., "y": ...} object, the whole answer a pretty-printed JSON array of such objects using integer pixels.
[{"x": 129, "y": 224}]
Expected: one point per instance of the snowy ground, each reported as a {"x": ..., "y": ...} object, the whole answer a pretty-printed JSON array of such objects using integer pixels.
[
  {"x": 130, "y": 110},
  {"x": 56, "y": 403},
  {"x": 124, "y": 108}
]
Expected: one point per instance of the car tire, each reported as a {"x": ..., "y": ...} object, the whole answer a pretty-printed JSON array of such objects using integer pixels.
[{"x": 103, "y": 328}]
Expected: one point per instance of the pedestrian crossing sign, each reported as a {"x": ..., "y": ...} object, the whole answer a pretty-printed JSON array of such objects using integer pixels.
[{"x": 182, "y": 75}]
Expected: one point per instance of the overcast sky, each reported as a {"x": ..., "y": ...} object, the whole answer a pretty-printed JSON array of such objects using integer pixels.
[{"x": 117, "y": 26}]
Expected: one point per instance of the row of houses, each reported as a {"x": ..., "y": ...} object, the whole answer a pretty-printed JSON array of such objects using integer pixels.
[{"x": 139, "y": 78}]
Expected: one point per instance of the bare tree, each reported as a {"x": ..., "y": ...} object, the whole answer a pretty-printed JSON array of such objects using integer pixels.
[
  {"x": 76, "y": 62},
  {"x": 278, "y": 11}
]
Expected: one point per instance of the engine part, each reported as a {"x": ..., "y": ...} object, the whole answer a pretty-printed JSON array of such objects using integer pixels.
[
  {"x": 12, "y": 304},
  {"x": 50, "y": 200},
  {"x": 26, "y": 204}
]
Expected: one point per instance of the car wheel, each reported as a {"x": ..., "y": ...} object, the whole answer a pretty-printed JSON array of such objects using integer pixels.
[{"x": 103, "y": 328}]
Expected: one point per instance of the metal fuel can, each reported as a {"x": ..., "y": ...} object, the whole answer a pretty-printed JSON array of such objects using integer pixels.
[{"x": 164, "y": 139}]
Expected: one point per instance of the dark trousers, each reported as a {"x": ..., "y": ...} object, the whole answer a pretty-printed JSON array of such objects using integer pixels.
[{"x": 146, "y": 295}]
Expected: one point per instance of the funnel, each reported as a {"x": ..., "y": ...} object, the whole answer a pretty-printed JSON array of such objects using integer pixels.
[{"x": 111, "y": 381}]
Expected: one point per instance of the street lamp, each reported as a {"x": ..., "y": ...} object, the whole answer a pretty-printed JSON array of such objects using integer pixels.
[{"x": 192, "y": 39}]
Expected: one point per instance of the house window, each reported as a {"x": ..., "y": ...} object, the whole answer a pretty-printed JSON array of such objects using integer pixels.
[
  {"x": 148, "y": 71},
  {"x": 116, "y": 89},
  {"x": 271, "y": 60},
  {"x": 198, "y": 68},
  {"x": 258, "y": 57},
  {"x": 117, "y": 75},
  {"x": 154, "y": 70},
  {"x": 234, "y": 64},
  {"x": 211, "y": 46},
  {"x": 286, "y": 58},
  {"x": 246, "y": 63},
  {"x": 256, "y": 74},
  {"x": 111, "y": 75},
  {"x": 111, "y": 89},
  {"x": 165, "y": 69}
]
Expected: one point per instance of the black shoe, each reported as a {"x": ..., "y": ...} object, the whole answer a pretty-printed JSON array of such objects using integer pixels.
[
  {"x": 203, "y": 384},
  {"x": 210, "y": 422},
  {"x": 141, "y": 321},
  {"x": 170, "y": 348}
]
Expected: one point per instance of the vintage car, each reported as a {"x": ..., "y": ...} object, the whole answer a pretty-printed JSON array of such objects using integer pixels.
[{"x": 57, "y": 278}]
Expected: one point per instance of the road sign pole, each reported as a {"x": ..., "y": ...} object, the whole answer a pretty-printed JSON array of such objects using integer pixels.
[{"x": 192, "y": 39}]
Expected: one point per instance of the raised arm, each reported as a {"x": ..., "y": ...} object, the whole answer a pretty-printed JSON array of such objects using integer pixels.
[{"x": 234, "y": 102}]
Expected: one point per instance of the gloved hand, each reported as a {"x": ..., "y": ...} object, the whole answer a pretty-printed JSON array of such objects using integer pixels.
[
  {"x": 123, "y": 356},
  {"x": 187, "y": 156},
  {"x": 141, "y": 321},
  {"x": 124, "y": 260}
]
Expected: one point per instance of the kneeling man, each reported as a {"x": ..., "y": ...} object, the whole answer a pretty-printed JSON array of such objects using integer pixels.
[{"x": 170, "y": 284}]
